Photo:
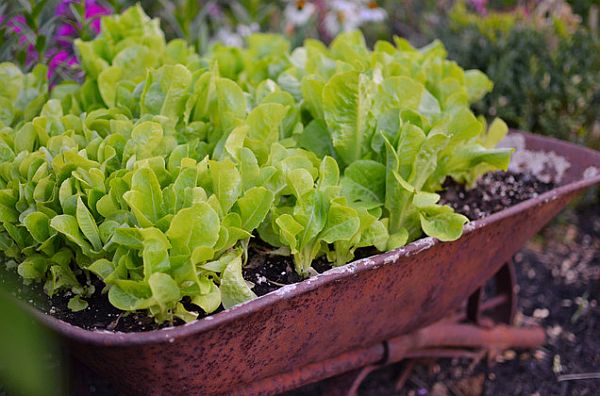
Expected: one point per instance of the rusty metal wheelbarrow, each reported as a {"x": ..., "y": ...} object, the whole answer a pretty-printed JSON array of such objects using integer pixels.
[{"x": 372, "y": 311}]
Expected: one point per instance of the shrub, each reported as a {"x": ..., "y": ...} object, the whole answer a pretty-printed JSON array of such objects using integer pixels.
[{"x": 547, "y": 77}]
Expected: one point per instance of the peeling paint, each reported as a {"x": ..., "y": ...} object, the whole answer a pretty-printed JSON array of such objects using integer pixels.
[
  {"x": 423, "y": 244},
  {"x": 546, "y": 166},
  {"x": 393, "y": 257},
  {"x": 472, "y": 226},
  {"x": 591, "y": 172},
  {"x": 285, "y": 289},
  {"x": 513, "y": 141}
]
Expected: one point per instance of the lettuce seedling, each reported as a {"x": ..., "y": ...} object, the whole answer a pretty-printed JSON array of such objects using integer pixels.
[{"x": 157, "y": 172}]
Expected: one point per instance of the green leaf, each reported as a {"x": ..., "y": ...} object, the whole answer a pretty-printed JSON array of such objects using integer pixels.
[
  {"x": 76, "y": 304},
  {"x": 165, "y": 290},
  {"x": 312, "y": 93},
  {"x": 183, "y": 314},
  {"x": 495, "y": 133},
  {"x": 147, "y": 140},
  {"x": 129, "y": 295},
  {"x": 38, "y": 225},
  {"x": 209, "y": 302},
  {"x": 397, "y": 239},
  {"x": 107, "y": 84},
  {"x": 423, "y": 199},
  {"x": 347, "y": 102},
  {"x": 67, "y": 225},
  {"x": 477, "y": 84},
  {"x": 226, "y": 183},
  {"x": 315, "y": 137},
  {"x": 193, "y": 227},
  {"x": 166, "y": 91},
  {"x": 364, "y": 182},
  {"x": 253, "y": 207},
  {"x": 342, "y": 223},
  {"x": 234, "y": 289},
  {"x": 145, "y": 197},
  {"x": 265, "y": 123},
  {"x": 441, "y": 222},
  {"x": 87, "y": 224},
  {"x": 33, "y": 267},
  {"x": 102, "y": 268},
  {"x": 155, "y": 253},
  {"x": 289, "y": 229}
]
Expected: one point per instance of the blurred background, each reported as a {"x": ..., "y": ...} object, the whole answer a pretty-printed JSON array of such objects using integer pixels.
[{"x": 544, "y": 59}]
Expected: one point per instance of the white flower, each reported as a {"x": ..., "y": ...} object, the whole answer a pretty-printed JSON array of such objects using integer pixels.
[
  {"x": 247, "y": 30},
  {"x": 228, "y": 38},
  {"x": 299, "y": 12},
  {"x": 235, "y": 38},
  {"x": 372, "y": 13},
  {"x": 331, "y": 23},
  {"x": 345, "y": 6},
  {"x": 344, "y": 15}
]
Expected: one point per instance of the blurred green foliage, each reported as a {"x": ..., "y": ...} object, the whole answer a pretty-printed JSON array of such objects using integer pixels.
[
  {"x": 546, "y": 77},
  {"x": 28, "y": 354}
]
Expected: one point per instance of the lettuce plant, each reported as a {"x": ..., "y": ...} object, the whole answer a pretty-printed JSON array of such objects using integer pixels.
[{"x": 157, "y": 173}]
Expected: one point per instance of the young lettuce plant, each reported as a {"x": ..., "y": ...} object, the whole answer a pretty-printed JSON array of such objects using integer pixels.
[{"x": 157, "y": 172}]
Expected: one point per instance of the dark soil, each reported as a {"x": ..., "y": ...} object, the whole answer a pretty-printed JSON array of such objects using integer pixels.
[
  {"x": 493, "y": 192},
  {"x": 100, "y": 314},
  {"x": 269, "y": 271}
]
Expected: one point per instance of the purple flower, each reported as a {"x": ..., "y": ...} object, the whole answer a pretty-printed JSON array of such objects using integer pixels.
[
  {"x": 66, "y": 30},
  {"x": 93, "y": 12},
  {"x": 64, "y": 56},
  {"x": 480, "y": 6},
  {"x": 61, "y": 57},
  {"x": 18, "y": 26}
]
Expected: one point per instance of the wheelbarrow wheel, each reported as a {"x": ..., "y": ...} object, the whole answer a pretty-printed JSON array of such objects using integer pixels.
[{"x": 496, "y": 301}]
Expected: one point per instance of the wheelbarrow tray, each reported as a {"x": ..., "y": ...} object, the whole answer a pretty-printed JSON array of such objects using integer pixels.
[{"x": 342, "y": 310}]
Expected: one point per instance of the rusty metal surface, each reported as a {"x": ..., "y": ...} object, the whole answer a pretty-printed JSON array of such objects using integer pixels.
[{"x": 344, "y": 310}]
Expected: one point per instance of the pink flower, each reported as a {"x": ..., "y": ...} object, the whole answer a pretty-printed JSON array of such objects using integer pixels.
[
  {"x": 93, "y": 12},
  {"x": 18, "y": 26},
  {"x": 480, "y": 6},
  {"x": 59, "y": 60},
  {"x": 70, "y": 29}
]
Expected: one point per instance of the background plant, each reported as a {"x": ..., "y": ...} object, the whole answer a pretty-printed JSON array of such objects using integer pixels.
[{"x": 546, "y": 70}]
